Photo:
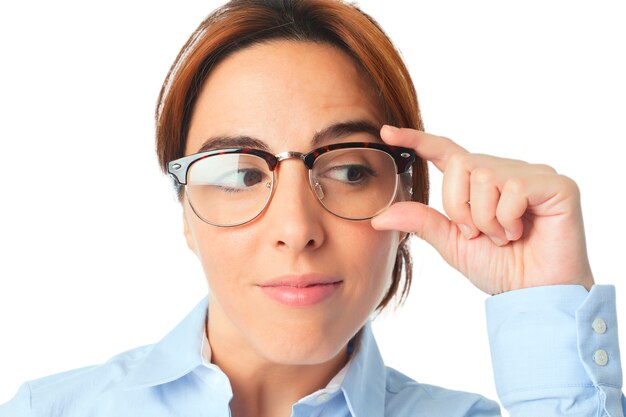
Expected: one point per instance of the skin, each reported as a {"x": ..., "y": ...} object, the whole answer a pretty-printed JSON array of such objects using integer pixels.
[{"x": 523, "y": 227}]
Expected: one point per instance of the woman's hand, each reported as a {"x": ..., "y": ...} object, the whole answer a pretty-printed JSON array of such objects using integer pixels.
[{"x": 511, "y": 224}]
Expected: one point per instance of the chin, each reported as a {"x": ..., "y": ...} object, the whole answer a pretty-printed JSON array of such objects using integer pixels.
[{"x": 310, "y": 350}]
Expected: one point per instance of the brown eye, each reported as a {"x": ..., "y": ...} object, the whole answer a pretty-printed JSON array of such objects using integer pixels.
[
  {"x": 354, "y": 173},
  {"x": 350, "y": 174},
  {"x": 252, "y": 177}
]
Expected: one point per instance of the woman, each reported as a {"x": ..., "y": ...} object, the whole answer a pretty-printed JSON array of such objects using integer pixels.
[{"x": 294, "y": 265}]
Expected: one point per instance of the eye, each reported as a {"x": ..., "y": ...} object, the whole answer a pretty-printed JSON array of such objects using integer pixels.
[
  {"x": 350, "y": 174},
  {"x": 238, "y": 180},
  {"x": 241, "y": 179},
  {"x": 252, "y": 177}
]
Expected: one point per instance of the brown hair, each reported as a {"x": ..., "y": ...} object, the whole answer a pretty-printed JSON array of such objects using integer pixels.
[{"x": 241, "y": 23}]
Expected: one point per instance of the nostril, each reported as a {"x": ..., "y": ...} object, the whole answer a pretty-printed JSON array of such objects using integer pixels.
[{"x": 310, "y": 243}]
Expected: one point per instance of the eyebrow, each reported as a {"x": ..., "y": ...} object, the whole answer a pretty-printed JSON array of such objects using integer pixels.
[
  {"x": 223, "y": 142},
  {"x": 332, "y": 132}
]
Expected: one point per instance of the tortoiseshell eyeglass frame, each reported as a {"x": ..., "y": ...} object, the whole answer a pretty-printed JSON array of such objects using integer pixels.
[{"x": 403, "y": 157}]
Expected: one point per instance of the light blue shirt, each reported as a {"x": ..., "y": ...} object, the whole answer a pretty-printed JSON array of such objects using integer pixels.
[{"x": 555, "y": 353}]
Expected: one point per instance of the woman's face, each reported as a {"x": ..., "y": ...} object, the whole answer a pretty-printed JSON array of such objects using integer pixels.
[{"x": 282, "y": 93}]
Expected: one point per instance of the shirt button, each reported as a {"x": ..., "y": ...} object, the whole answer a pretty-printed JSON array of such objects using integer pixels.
[
  {"x": 601, "y": 357},
  {"x": 599, "y": 326},
  {"x": 322, "y": 398}
]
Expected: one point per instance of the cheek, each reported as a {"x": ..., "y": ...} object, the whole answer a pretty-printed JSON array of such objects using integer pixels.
[
  {"x": 224, "y": 253},
  {"x": 369, "y": 256}
]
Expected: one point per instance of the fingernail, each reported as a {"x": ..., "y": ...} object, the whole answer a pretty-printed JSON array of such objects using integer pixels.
[
  {"x": 509, "y": 235},
  {"x": 498, "y": 241},
  {"x": 392, "y": 128},
  {"x": 466, "y": 230}
]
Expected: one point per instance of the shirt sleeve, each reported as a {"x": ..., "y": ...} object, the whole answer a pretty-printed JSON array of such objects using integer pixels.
[
  {"x": 555, "y": 351},
  {"x": 18, "y": 406}
]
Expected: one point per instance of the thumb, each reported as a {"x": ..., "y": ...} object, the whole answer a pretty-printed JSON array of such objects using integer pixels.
[{"x": 410, "y": 216}]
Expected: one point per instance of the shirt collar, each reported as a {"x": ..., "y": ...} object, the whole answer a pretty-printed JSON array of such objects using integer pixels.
[
  {"x": 362, "y": 380},
  {"x": 365, "y": 382},
  {"x": 177, "y": 354}
]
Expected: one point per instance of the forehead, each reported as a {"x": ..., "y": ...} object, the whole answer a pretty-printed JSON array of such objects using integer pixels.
[{"x": 282, "y": 92}]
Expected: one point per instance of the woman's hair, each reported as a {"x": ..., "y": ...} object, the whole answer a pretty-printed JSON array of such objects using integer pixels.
[{"x": 242, "y": 23}]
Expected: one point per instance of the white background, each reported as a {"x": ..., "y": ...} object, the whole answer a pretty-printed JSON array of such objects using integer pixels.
[{"x": 92, "y": 257}]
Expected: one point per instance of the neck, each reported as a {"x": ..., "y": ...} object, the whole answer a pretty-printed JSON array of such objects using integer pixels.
[{"x": 261, "y": 387}]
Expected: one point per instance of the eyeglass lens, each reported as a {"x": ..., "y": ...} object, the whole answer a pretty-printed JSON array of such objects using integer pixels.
[{"x": 231, "y": 189}]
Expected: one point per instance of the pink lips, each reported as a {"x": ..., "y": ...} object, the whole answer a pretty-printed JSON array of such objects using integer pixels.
[{"x": 301, "y": 290}]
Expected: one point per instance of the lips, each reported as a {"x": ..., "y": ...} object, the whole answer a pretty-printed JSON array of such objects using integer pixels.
[{"x": 301, "y": 290}]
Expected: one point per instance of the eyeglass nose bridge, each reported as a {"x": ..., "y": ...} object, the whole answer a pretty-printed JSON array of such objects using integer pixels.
[{"x": 290, "y": 155}]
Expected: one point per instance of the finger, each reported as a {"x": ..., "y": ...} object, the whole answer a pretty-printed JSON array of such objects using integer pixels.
[
  {"x": 541, "y": 194},
  {"x": 424, "y": 221},
  {"x": 484, "y": 197},
  {"x": 455, "y": 197},
  {"x": 437, "y": 149},
  {"x": 511, "y": 207}
]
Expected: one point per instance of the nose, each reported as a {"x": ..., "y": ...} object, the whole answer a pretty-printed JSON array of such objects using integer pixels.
[{"x": 294, "y": 216}]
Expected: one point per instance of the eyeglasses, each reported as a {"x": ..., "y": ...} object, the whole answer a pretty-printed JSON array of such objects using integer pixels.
[{"x": 354, "y": 181}]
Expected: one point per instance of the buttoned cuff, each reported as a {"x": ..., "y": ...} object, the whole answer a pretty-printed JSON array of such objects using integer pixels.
[{"x": 556, "y": 338}]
